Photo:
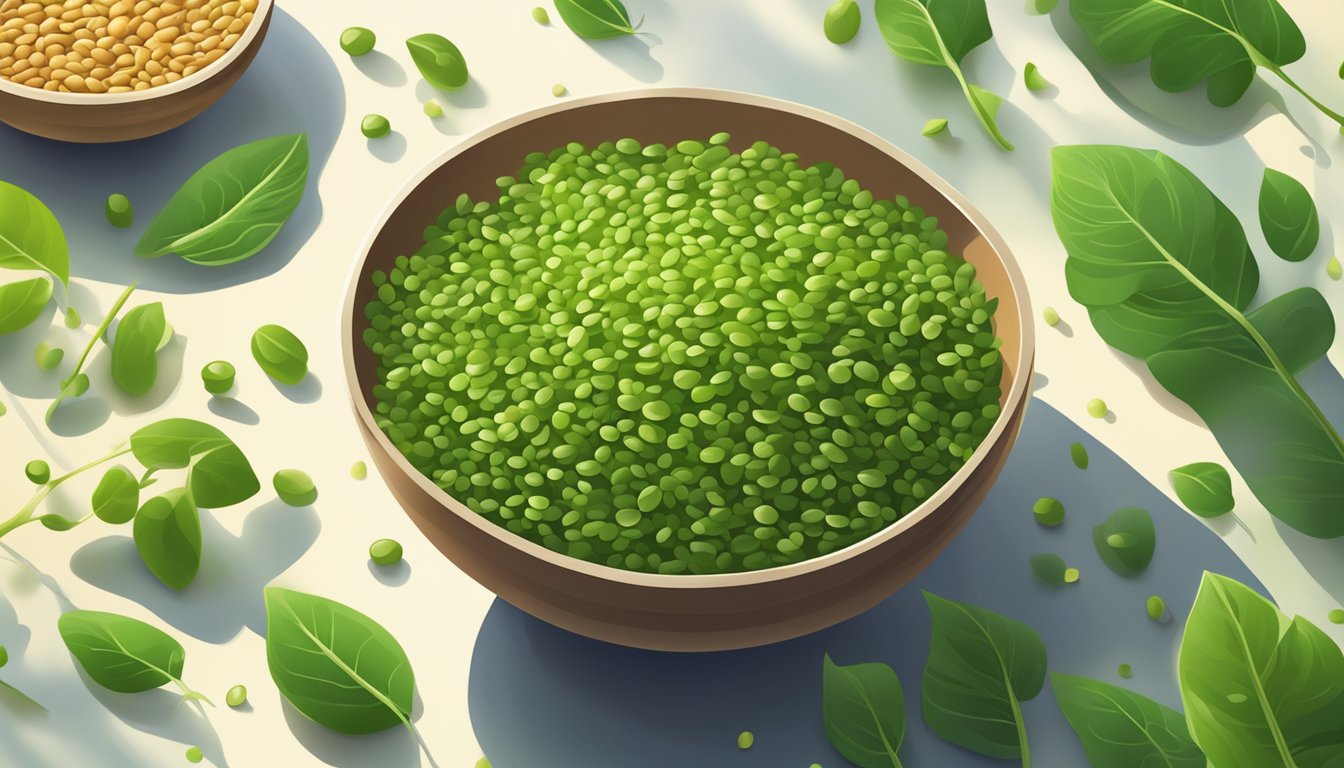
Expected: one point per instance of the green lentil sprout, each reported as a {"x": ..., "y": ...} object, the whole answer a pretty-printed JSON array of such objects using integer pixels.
[
  {"x": 745, "y": 739},
  {"x": 294, "y": 487},
  {"x": 374, "y": 126},
  {"x": 358, "y": 41},
  {"x": 217, "y": 376},
  {"x": 37, "y": 471},
  {"x": 385, "y": 552},
  {"x": 118, "y": 210},
  {"x": 684, "y": 359},
  {"x": 236, "y": 697},
  {"x": 1048, "y": 511}
]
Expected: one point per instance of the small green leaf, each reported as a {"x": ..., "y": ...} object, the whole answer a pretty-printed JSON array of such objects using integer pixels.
[
  {"x": 55, "y": 522},
  {"x": 934, "y": 126},
  {"x": 1121, "y": 729},
  {"x": 1126, "y": 540},
  {"x": 1204, "y": 488},
  {"x": 117, "y": 496},
  {"x": 1288, "y": 216},
  {"x": 596, "y": 19},
  {"x": 135, "y": 347},
  {"x": 1049, "y": 568},
  {"x": 981, "y": 666},
  {"x": 21, "y": 303},
  {"x": 167, "y": 535},
  {"x": 120, "y": 653},
  {"x": 30, "y": 235},
  {"x": 280, "y": 354},
  {"x": 222, "y": 477},
  {"x": 863, "y": 708},
  {"x": 337, "y": 666},
  {"x": 1043, "y": 7},
  {"x": 1078, "y": 452},
  {"x": 1034, "y": 79},
  {"x": 220, "y": 474},
  {"x": 439, "y": 61}
]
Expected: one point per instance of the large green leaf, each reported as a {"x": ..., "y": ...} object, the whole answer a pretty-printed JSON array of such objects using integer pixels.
[
  {"x": 1260, "y": 690},
  {"x": 941, "y": 33},
  {"x": 981, "y": 666},
  {"x": 234, "y": 205},
  {"x": 337, "y": 666},
  {"x": 863, "y": 708},
  {"x": 167, "y": 535},
  {"x": 1166, "y": 273},
  {"x": 220, "y": 475},
  {"x": 1288, "y": 216},
  {"x": 135, "y": 346},
  {"x": 120, "y": 653},
  {"x": 30, "y": 235},
  {"x": 596, "y": 19},
  {"x": 1121, "y": 729},
  {"x": 22, "y": 302}
]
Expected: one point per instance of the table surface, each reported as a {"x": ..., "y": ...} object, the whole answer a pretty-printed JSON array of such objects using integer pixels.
[{"x": 535, "y": 695}]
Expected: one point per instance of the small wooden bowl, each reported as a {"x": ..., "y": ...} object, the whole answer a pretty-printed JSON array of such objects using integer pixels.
[
  {"x": 690, "y": 612},
  {"x": 97, "y": 118}
]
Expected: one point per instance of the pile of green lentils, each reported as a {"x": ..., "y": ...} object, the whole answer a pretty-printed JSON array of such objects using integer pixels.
[{"x": 682, "y": 359}]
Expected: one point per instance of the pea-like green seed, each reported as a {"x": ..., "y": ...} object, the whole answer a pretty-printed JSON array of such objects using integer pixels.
[
  {"x": 1078, "y": 452},
  {"x": 935, "y": 126},
  {"x": 745, "y": 739},
  {"x": 72, "y": 318},
  {"x": 1157, "y": 607},
  {"x": 1050, "y": 316},
  {"x": 118, "y": 210},
  {"x": 1071, "y": 575},
  {"x": 1334, "y": 269},
  {"x": 1125, "y": 671},
  {"x": 194, "y": 755},
  {"x": 4, "y": 656},
  {"x": 842, "y": 21},
  {"x": 374, "y": 126},
  {"x": 1096, "y": 408},
  {"x": 1336, "y": 616},
  {"x": 558, "y": 90},
  {"x": 433, "y": 108},
  {"x": 540, "y": 15},
  {"x": 359, "y": 470},
  {"x": 236, "y": 697},
  {"x": 294, "y": 487},
  {"x": 1048, "y": 511},
  {"x": 385, "y": 552},
  {"x": 48, "y": 356},
  {"x": 218, "y": 376},
  {"x": 358, "y": 41},
  {"x": 483, "y": 763},
  {"x": 37, "y": 471}
]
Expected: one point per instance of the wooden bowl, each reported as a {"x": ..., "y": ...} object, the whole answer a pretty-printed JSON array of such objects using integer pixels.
[
  {"x": 690, "y": 612},
  {"x": 96, "y": 118}
]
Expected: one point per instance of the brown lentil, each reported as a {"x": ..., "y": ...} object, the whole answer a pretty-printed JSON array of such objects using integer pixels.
[{"x": 115, "y": 46}]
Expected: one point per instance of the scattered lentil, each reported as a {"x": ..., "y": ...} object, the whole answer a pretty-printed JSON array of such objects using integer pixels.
[
  {"x": 540, "y": 15},
  {"x": 1126, "y": 671},
  {"x": 218, "y": 376},
  {"x": 1071, "y": 575},
  {"x": 1048, "y": 511},
  {"x": 4, "y": 656},
  {"x": 374, "y": 126},
  {"x": 1096, "y": 408},
  {"x": 359, "y": 470},
  {"x": 1333, "y": 269},
  {"x": 37, "y": 471},
  {"x": 1050, "y": 316},
  {"x": 194, "y": 755},
  {"x": 745, "y": 739},
  {"x": 294, "y": 487},
  {"x": 1336, "y": 616},
  {"x": 385, "y": 552},
  {"x": 236, "y": 697},
  {"x": 433, "y": 108},
  {"x": 558, "y": 90},
  {"x": 118, "y": 210},
  {"x": 1157, "y": 607},
  {"x": 358, "y": 41}
]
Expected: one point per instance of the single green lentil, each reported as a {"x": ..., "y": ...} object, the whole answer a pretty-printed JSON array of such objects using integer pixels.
[
  {"x": 358, "y": 41},
  {"x": 118, "y": 210},
  {"x": 1126, "y": 671},
  {"x": 745, "y": 739},
  {"x": 218, "y": 376},
  {"x": 1048, "y": 511},
  {"x": 47, "y": 356},
  {"x": 1078, "y": 452},
  {"x": 194, "y": 755},
  {"x": 935, "y": 126},
  {"x": 359, "y": 470},
  {"x": 1333, "y": 268},
  {"x": 72, "y": 318},
  {"x": 4, "y": 656},
  {"x": 294, "y": 487},
  {"x": 540, "y": 15},
  {"x": 1157, "y": 607},
  {"x": 841, "y": 22},
  {"x": 682, "y": 359},
  {"x": 558, "y": 90},
  {"x": 433, "y": 108},
  {"x": 37, "y": 471},
  {"x": 385, "y": 552},
  {"x": 1096, "y": 408},
  {"x": 1336, "y": 616},
  {"x": 1071, "y": 575},
  {"x": 374, "y": 126},
  {"x": 1050, "y": 316},
  {"x": 236, "y": 697},
  {"x": 483, "y": 763}
]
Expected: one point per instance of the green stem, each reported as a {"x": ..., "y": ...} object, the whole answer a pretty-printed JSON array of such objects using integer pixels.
[
  {"x": 88, "y": 348},
  {"x": 1021, "y": 729},
  {"x": 26, "y": 514},
  {"x": 1333, "y": 115}
]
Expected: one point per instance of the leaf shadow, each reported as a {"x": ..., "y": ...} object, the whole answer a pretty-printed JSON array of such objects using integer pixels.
[
  {"x": 391, "y": 575},
  {"x": 392, "y": 748},
  {"x": 226, "y": 595},
  {"x": 633, "y": 54},
  {"x": 307, "y": 391},
  {"x": 380, "y": 68},
  {"x": 233, "y": 409},
  {"x": 162, "y": 713}
]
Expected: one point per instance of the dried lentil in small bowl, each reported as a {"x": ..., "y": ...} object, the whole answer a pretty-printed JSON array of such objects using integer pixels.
[{"x": 116, "y": 47}]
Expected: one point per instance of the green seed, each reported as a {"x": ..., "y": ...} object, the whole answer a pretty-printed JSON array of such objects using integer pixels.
[
  {"x": 218, "y": 377},
  {"x": 236, "y": 697},
  {"x": 1126, "y": 671},
  {"x": 745, "y": 739},
  {"x": 540, "y": 15},
  {"x": 37, "y": 471},
  {"x": 842, "y": 21},
  {"x": 1071, "y": 575},
  {"x": 1048, "y": 511},
  {"x": 194, "y": 755},
  {"x": 1333, "y": 268},
  {"x": 72, "y": 318},
  {"x": 558, "y": 90},
  {"x": 118, "y": 210},
  {"x": 433, "y": 108},
  {"x": 385, "y": 552},
  {"x": 1336, "y": 616},
  {"x": 1050, "y": 316},
  {"x": 1034, "y": 79},
  {"x": 1096, "y": 408},
  {"x": 1157, "y": 607},
  {"x": 4, "y": 656},
  {"x": 483, "y": 763},
  {"x": 359, "y": 470},
  {"x": 47, "y": 356},
  {"x": 1078, "y": 452},
  {"x": 374, "y": 126},
  {"x": 935, "y": 126},
  {"x": 294, "y": 487},
  {"x": 358, "y": 41}
]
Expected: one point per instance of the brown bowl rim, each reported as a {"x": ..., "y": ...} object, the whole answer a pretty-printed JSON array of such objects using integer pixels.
[
  {"x": 250, "y": 36},
  {"x": 1017, "y": 392}
]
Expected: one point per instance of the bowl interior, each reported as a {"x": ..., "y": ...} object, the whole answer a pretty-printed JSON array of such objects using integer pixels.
[{"x": 668, "y": 117}]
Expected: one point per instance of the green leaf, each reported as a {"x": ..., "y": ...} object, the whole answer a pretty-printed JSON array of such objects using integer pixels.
[
  {"x": 234, "y": 205},
  {"x": 337, "y": 666},
  {"x": 439, "y": 61},
  {"x": 120, "y": 653},
  {"x": 220, "y": 474},
  {"x": 280, "y": 354},
  {"x": 222, "y": 477},
  {"x": 1259, "y": 689},
  {"x": 863, "y": 708},
  {"x": 1035, "y": 81},
  {"x": 1192, "y": 41},
  {"x": 117, "y": 496},
  {"x": 1204, "y": 488},
  {"x": 981, "y": 666},
  {"x": 21, "y": 303},
  {"x": 941, "y": 33},
  {"x": 1288, "y": 216},
  {"x": 30, "y": 235},
  {"x": 1121, "y": 729},
  {"x": 135, "y": 348},
  {"x": 167, "y": 535},
  {"x": 1166, "y": 273},
  {"x": 1051, "y": 569},
  {"x": 1126, "y": 540},
  {"x": 20, "y": 695},
  {"x": 596, "y": 19}
]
